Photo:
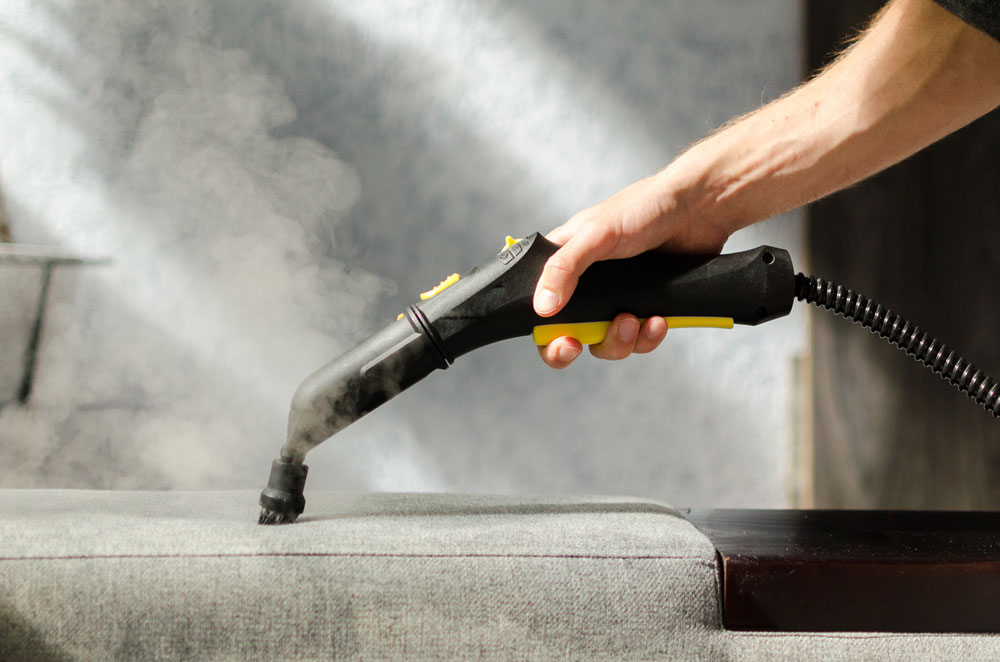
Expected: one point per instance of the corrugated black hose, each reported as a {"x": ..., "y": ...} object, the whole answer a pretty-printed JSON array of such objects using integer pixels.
[{"x": 903, "y": 334}]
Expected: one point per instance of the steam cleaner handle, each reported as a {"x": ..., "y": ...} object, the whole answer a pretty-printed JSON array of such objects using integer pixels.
[
  {"x": 744, "y": 288},
  {"x": 494, "y": 302}
]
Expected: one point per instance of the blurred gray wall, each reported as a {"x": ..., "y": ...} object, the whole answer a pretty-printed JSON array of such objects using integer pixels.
[{"x": 274, "y": 181}]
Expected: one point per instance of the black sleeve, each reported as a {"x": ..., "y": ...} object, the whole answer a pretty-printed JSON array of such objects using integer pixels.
[{"x": 983, "y": 14}]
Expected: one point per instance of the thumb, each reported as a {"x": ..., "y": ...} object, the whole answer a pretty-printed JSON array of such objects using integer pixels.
[{"x": 562, "y": 272}]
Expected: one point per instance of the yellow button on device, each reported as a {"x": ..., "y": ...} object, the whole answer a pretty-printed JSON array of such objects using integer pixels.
[
  {"x": 443, "y": 285},
  {"x": 510, "y": 241}
]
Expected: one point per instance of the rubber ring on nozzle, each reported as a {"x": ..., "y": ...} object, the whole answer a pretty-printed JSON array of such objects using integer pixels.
[{"x": 284, "y": 491}]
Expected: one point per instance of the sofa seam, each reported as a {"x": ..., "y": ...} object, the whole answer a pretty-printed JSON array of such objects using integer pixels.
[{"x": 596, "y": 557}]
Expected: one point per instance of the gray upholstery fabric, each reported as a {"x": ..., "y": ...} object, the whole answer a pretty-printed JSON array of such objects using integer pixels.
[{"x": 168, "y": 575}]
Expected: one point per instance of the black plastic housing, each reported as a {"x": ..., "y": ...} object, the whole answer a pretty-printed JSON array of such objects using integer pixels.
[{"x": 494, "y": 302}]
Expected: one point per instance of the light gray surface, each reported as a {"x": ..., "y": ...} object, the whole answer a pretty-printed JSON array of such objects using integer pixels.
[
  {"x": 79, "y": 522},
  {"x": 186, "y": 575},
  {"x": 97, "y": 575},
  {"x": 275, "y": 181}
]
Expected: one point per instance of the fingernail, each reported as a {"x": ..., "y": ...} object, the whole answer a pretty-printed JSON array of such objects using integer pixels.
[
  {"x": 567, "y": 353},
  {"x": 628, "y": 330},
  {"x": 546, "y": 301}
]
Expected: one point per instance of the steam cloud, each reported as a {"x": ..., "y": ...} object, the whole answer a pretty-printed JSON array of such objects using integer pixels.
[
  {"x": 263, "y": 174},
  {"x": 174, "y": 366}
]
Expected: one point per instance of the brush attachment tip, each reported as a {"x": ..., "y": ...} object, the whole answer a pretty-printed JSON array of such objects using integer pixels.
[
  {"x": 268, "y": 516},
  {"x": 282, "y": 501}
]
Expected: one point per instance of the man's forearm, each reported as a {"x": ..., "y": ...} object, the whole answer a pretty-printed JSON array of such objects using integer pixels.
[{"x": 916, "y": 75}]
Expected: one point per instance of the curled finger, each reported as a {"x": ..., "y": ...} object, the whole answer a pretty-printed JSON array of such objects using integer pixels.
[
  {"x": 561, "y": 352},
  {"x": 651, "y": 334},
  {"x": 620, "y": 340}
]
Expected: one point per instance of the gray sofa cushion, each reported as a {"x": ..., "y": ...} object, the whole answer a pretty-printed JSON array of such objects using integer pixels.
[{"x": 171, "y": 575}]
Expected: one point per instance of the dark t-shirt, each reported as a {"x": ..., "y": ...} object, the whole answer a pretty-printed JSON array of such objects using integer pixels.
[{"x": 983, "y": 14}]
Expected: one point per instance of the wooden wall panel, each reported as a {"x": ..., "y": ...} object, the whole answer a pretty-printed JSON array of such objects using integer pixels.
[{"x": 922, "y": 238}]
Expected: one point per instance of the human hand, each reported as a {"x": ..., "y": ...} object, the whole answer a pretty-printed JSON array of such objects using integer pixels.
[
  {"x": 798, "y": 148},
  {"x": 648, "y": 214}
]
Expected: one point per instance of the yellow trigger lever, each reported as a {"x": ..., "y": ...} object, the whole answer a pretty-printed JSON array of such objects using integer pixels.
[{"x": 591, "y": 333}]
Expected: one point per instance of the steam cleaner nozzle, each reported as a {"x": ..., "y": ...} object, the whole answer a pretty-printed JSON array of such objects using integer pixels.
[
  {"x": 494, "y": 302},
  {"x": 283, "y": 500}
]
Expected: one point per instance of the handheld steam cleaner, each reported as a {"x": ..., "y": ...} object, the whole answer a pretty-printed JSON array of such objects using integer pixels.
[{"x": 494, "y": 302}]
